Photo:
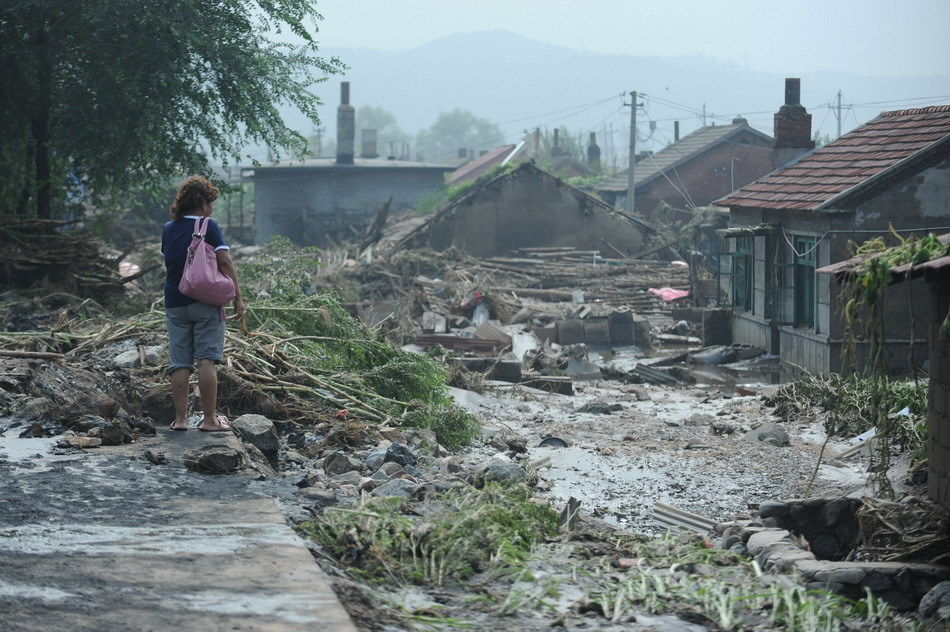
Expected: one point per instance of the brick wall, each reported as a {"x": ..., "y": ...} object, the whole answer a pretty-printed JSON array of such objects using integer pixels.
[{"x": 938, "y": 419}]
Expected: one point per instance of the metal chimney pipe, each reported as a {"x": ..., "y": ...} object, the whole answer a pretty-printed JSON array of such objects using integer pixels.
[
  {"x": 345, "y": 127},
  {"x": 676, "y": 131}
]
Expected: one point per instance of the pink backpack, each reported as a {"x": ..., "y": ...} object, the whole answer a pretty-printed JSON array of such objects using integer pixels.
[{"x": 202, "y": 280}]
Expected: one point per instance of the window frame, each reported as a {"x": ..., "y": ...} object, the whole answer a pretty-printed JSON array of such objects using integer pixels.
[{"x": 804, "y": 280}]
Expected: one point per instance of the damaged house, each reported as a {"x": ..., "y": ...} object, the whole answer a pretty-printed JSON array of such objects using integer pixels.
[
  {"x": 894, "y": 171},
  {"x": 322, "y": 200},
  {"x": 528, "y": 207},
  {"x": 710, "y": 162}
]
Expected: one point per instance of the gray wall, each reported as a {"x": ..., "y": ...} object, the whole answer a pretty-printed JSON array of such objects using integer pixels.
[
  {"x": 315, "y": 206},
  {"x": 531, "y": 208}
]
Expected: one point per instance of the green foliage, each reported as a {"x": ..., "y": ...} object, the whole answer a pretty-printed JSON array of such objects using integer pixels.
[
  {"x": 463, "y": 532},
  {"x": 121, "y": 96},
  {"x": 436, "y": 200},
  {"x": 864, "y": 318},
  {"x": 745, "y": 604},
  {"x": 457, "y": 129},
  {"x": 329, "y": 342},
  {"x": 847, "y": 400}
]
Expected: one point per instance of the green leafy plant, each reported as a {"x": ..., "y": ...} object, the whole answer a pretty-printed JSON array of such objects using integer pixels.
[{"x": 467, "y": 531}]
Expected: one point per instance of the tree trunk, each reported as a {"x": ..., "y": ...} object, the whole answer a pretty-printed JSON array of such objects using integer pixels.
[
  {"x": 39, "y": 125},
  {"x": 23, "y": 204}
]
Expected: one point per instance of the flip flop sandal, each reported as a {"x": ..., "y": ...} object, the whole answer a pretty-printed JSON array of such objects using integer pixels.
[
  {"x": 222, "y": 422},
  {"x": 172, "y": 426}
]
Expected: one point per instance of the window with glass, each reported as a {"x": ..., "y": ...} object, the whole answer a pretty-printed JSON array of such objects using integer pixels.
[
  {"x": 805, "y": 260},
  {"x": 742, "y": 274}
]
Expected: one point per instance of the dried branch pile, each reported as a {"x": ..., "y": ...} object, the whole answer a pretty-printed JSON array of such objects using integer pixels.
[
  {"x": 47, "y": 254},
  {"x": 912, "y": 530}
]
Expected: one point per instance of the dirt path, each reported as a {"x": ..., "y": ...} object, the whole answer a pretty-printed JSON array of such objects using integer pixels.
[{"x": 104, "y": 541}]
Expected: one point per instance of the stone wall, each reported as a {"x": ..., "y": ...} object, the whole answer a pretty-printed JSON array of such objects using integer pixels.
[
  {"x": 938, "y": 418},
  {"x": 792, "y": 536}
]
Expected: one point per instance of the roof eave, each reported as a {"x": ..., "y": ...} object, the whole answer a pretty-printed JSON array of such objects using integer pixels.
[{"x": 849, "y": 194}]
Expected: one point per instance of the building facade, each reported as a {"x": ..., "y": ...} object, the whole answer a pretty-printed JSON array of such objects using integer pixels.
[
  {"x": 889, "y": 176},
  {"x": 325, "y": 200}
]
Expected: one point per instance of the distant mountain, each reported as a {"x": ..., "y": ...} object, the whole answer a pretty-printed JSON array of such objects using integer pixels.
[{"x": 518, "y": 83}]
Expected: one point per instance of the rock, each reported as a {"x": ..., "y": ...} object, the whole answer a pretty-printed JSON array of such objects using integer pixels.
[
  {"x": 757, "y": 542},
  {"x": 293, "y": 456},
  {"x": 518, "y": 446},
  {"x": 771, "y": 433},
  {"x": 114, "y": 432},
  {"x": 834, "y": 510},
  {"x": 936, "y": 599},
  {"x": 259, "y": 431},
  {"x": 398, "y": 453},
  {"x": 739, "y": 550},
  {"x": 259, "y": 461},
  {"x": 390, "y": 469},
  {"x": 214, "y": 459},
  {"x": 498, "y": 443},
  {"x": 730, "y": 541},
  {"x": 876, "y": 582},
  {"x": 83, "y": 442},
  {"x": 773, "y": 509},
  {"x": 448, "y": 465},
  {"x": 424, "y": 441},
  {"x": 318, "y": 495},
  {"x": 155, "y": 458},
  {"x": 582, "y": 370},
  {"x": 34, "y": 431},
  {"x": 142, "y": 426},
  {"x": 348, "y": 478},
  {"x": 127, "y": 359},
  {"x": 599, "y": 408},
  {"x": 337, "y": 463},
  {"x": 841, "y": 576},
  {"x": 699, "y": 419},
  {"x": 375, "y": 459},
  {"x": 725, "y": 428},
  {"x": 397, "y": 487},
  {"x": 153, "y": 354},
  {"x": 504, "y": 472}
]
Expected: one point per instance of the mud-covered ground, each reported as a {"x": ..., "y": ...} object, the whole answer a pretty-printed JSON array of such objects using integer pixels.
[{"x": 665, "y": 444}]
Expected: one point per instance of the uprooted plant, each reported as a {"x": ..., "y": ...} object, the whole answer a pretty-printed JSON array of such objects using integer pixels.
[{"x": 460, "y": 532}]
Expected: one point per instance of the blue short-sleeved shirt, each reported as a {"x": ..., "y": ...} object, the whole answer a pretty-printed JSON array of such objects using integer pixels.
[{"x": 176, "y": 236}]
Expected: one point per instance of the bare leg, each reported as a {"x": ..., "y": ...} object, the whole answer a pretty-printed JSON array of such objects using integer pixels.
[
  {"x": 208, "y": 385},
  {"x": 179, "y": 380}
]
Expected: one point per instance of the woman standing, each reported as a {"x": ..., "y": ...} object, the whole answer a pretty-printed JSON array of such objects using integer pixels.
[{"x": 195, "y": 329}]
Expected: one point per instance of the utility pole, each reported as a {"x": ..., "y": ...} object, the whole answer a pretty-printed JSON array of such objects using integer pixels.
[
  {"x": 319, "y": 142},
  {"x": 704, "y": 115},
  {"x": 633, "y": 151},
  {"x": 838, "y": 114}
]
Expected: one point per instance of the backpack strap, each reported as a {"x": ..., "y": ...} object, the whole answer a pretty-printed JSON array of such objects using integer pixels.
[{"x": 201, "y": 226}]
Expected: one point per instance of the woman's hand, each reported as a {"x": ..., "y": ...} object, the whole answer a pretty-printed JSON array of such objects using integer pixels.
[{"x": 239, "y": 308}]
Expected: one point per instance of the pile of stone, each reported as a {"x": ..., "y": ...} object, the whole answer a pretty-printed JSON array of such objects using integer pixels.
[{"x": 813, "y": 538}]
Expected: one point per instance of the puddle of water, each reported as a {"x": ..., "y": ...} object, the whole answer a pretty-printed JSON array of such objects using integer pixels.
[
  {"x": 9, "y": 590},
  {"x": 114, "y": 540},
  {"x": 289, "y": 607},
  {"x": 15, "y": 450}
]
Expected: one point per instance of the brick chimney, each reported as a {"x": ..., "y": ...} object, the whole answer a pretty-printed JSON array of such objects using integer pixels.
[
  {"x": 345, "y": 127},
  {"x": 556, "y": 144},
  {"x": 792, "y": 122},
  {"x": 368, "y": 144},
  {"x": 593, "y": 152}
]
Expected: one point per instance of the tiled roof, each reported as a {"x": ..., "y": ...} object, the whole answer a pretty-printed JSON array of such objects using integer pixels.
[
  {"x": 849, "y": 164},
  {"x": 668, "y": 158},
  {"x": 480, "y": 166}
]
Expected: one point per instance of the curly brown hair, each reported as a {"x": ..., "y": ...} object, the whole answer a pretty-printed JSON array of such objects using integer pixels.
[{"x": 193, "y": 195}]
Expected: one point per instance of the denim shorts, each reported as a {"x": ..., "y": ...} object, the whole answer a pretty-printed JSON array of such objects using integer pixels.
[{"x": 195, "y": 332}]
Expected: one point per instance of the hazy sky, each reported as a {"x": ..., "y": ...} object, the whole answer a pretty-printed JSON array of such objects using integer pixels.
[{"x": 875, "y": 37}]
